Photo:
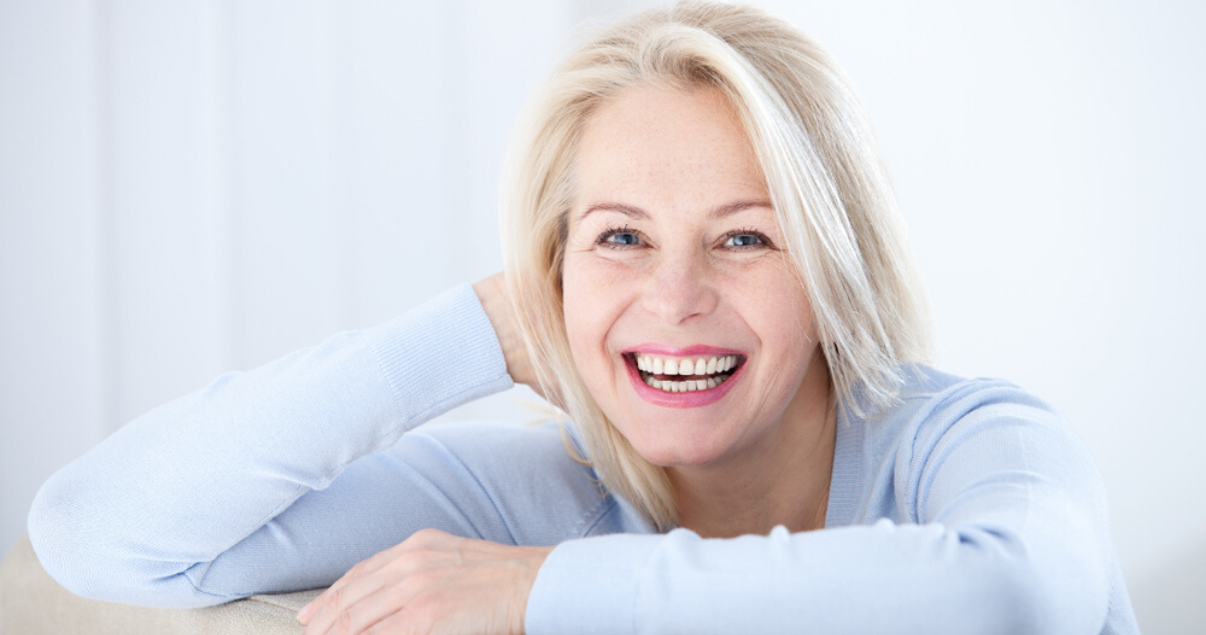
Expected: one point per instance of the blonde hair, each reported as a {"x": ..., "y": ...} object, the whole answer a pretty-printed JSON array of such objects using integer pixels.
[{"x": 827, "y": 184}]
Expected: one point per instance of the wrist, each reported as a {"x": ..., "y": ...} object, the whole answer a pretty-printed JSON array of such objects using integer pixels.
[{"x": 492, "y": 294}]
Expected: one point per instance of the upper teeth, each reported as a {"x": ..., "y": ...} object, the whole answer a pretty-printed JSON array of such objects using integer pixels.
[{"x": 685, "y": 365}]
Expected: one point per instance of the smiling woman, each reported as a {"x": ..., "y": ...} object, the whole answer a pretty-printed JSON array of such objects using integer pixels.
[
  {"x": 709, "y": 109},
  {"x": 694, "y": 273},
  {"x": 705, "y": 270}
]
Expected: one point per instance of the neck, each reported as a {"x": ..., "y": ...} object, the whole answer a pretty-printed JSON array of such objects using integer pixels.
[{"x": 783, "y": 479}]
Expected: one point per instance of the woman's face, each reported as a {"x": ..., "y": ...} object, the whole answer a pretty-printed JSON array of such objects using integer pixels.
[{"x": 674, "y": 256}]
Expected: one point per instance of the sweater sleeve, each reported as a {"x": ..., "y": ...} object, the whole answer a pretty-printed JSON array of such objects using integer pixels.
[
  {"x": 999, "y": 528},
  {"x": 220, "y": 494}
]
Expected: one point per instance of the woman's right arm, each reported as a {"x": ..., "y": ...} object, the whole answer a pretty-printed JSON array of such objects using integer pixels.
[{"x": 153, "y": 514}]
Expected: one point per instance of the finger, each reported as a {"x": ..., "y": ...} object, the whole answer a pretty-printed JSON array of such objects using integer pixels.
[
  {"x": 307, "y": 612},
  {"x": 419, "y": 616},
  {"x": 406, "y": 569},
  {"x": 337, "y": 610},
  {"x": 421, "y": 539},
  {"x": 323, "y": 616},
  {"x": 376, "y": 607}
]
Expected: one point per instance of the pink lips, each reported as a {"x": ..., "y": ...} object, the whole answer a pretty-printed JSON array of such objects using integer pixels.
[
  {"x": 680, "y": 399},
  {"x": 691, "y": 351}
]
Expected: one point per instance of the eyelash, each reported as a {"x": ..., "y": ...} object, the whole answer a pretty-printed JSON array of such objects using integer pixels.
[
  {"x": 612, "y": 231},
  {"x": 763, "y": 241}
]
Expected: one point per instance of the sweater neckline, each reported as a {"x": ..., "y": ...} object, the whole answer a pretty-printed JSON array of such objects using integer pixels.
[{"x": 844, "y": 480}]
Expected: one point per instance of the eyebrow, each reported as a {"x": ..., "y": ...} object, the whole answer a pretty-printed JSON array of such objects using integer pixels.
[{"x": 637, "y": 213}]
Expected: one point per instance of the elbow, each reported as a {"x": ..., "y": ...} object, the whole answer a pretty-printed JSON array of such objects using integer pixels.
[
  {"x": 1047, "y": 600},
  {"x": 1022, "y": 583},
  {"x": 76, "y": 551},
  {"x": 65, "y": 548}
]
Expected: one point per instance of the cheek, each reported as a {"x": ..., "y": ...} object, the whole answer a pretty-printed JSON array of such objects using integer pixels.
[
  {"x": 577, "y": 327},
  {"x": 589, "y": 311},
  {"x": 793, "y": 324},
  {"x": 780, "y": 316}
]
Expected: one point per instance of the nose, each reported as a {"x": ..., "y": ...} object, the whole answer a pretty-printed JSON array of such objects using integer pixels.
[{"x": 680, "y": 288}]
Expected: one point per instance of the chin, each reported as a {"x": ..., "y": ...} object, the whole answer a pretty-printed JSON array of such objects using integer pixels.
[{"x": 679, "y": 452}]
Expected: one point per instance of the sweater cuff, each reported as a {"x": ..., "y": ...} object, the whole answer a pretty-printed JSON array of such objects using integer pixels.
[
  {"x": 590, "y": 586},
  {"x": 440, "y": 355}
]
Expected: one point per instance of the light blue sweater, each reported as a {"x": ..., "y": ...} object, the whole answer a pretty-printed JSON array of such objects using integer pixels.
[{"x": 969, "y": 508}]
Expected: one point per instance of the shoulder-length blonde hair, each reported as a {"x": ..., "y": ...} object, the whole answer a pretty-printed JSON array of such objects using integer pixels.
[{"x": 826, "y": 181}]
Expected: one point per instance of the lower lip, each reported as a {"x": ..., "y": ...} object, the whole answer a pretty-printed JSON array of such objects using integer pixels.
[{"x": 693, "y": 399}]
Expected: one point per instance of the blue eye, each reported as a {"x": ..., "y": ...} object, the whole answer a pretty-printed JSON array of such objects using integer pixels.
[
  {"x": 622, "y": 238},
  {"x": 745, "y": 239},
  {"x": 742, "y": 240}
]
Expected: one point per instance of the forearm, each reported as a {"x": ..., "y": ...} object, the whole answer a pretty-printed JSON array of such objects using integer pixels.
[
  {"x": 997, "y": 525},
  {"x": 870, "y": 579},
  {"x": 188, "y": 480}
]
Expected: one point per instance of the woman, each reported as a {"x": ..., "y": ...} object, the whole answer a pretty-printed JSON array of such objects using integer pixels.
[{"x": 705, "y": 270}]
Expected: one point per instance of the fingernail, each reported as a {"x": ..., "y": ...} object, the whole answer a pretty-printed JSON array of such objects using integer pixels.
[{"x": 304, "y": 613}]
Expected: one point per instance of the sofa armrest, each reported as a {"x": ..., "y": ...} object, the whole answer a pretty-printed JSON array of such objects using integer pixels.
[{"x": 32, "y": 603}]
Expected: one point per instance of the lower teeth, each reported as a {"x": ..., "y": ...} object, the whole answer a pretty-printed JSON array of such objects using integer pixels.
[{"x": 689, "y": 385}]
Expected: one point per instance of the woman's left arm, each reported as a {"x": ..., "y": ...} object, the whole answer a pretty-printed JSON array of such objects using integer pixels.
[{"x": 1001, "y": 529}]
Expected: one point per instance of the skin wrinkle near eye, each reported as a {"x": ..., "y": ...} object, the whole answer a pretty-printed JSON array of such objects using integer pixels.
[
  {"x": 763, "y": 240},
  {"x": 768, "y": 238}
]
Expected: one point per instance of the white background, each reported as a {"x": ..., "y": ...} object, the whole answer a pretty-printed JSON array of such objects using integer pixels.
[{"x": 192, "y": 187}]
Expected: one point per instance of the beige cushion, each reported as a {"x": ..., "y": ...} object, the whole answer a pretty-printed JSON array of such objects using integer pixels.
[{"x": 32, "y": 603}]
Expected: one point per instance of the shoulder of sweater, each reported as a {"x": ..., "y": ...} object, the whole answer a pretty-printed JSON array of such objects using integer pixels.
[
  {"x": 938, "y": 416},
  {"x": 926, "y": 389},
  {"x": 932, "y": 402}
]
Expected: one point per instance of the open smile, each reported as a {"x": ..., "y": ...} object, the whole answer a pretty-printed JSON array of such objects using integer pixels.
[{"x": 693, "y": 377}]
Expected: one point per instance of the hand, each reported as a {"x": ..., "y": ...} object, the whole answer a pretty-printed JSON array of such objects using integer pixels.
[
  {"x": 430, "y": 583},
  {"x": 492, "y": 292}
]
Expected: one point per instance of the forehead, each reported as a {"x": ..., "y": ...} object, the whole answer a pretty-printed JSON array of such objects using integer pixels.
[{"x": 661, "y": 147}]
